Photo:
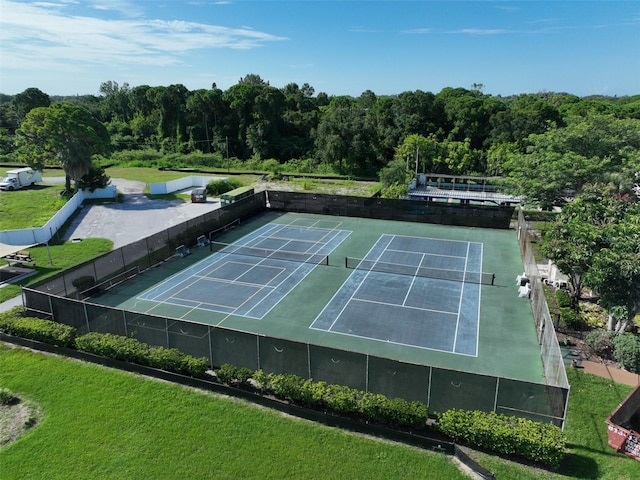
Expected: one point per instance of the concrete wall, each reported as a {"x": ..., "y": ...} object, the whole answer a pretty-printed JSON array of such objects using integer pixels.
[
  {"x": 32, "y": 236},
  {"x": 181, "y": 184}
]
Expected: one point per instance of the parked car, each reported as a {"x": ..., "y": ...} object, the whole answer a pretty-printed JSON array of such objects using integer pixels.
[{"x": 199, "y": 195}]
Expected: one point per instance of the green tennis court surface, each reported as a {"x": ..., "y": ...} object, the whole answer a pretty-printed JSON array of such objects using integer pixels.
[{"x": 418, "y": 293}]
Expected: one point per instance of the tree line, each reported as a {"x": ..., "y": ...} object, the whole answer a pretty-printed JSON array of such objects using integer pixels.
[{"x": 568, "y": 140}]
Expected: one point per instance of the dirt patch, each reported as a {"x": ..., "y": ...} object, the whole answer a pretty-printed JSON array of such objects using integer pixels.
[{"x": 15, "y": 420}]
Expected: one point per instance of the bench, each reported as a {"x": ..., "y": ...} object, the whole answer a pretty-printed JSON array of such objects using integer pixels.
[{"x": 19, "y": 257}]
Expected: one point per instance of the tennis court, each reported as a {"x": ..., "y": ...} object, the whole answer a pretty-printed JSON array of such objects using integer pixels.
[
  {"x": 251, "y": 276},
  {"x": 412, "y": 291}
]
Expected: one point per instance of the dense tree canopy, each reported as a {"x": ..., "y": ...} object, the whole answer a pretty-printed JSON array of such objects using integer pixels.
[
  {"x": 596, "y": 242},
  {"x": 546, "y": 145}
]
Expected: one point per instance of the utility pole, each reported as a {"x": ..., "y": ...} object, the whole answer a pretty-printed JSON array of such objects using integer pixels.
[
  {"x": 417, "y": 154},
  {"x": 226, "y": 139}
]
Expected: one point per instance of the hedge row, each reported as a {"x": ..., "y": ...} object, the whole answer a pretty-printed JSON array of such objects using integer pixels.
[
  {"x": 131, "y": 350},
  {"x": 538, "y": 442},
  {"x": 46, "y": 331},
  {"x": 105, "y": 344},
  {"x": 336, "y": 398}
]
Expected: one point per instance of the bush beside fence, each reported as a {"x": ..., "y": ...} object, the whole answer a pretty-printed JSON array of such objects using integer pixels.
[{"x": 511, "y": 436}]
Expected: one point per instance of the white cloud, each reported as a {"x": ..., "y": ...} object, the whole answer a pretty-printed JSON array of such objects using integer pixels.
[
  {"x": 482, "y": 31},
  {"x": 418, "y": 31},
  {"x": 39, "y": 35}
]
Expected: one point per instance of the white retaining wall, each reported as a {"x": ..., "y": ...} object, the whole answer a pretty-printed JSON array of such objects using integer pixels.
[
  {"x": 32, "y": 236},
  {"x": 181, "y": 184}
]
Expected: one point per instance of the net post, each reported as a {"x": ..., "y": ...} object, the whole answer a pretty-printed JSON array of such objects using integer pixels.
[{"x": 493, "y": 278}]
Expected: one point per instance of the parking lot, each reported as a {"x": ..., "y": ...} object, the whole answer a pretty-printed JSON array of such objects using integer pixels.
[{"x": 135, "y": 217}]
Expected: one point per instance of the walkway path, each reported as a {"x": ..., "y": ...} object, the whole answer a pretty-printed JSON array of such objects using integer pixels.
[{"x": 615, "y": 374}]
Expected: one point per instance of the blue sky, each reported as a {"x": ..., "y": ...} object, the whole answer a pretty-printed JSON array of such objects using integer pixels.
[{"x": 68, "y": 47}]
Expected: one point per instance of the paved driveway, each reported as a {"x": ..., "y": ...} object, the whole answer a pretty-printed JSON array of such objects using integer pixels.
[{"x": 135, "y": 218}]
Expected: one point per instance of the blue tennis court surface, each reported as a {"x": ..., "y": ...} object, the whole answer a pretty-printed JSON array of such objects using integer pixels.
[
  {"x": 251, "y": 276},
  {"x": 403, "y": 304}
]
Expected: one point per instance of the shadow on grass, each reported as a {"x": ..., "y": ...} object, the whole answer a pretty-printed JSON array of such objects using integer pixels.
[{"x": 576, "y": 465}]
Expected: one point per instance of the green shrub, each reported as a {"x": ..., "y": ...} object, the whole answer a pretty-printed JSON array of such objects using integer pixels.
[
  {"x": 627, "y": 351},
  {"x": 538, "y": 442},
  {"x": 593, "y": 315},
  {"x": 83, "y": 283},
  {"x": 46, "y": 331},
  {"x": 215, "y": 188},
  {"x": 7, "y": 397},
  {"x": 374, "y": 406},
  {"x": 563, "y": 299},
  {"x": 601, "y": 342},
  {"x": 131, "y": 350},
  {"x": 273, "y": 167},
  {"x": 341, "y": 399},
  {"x": 227, "y": 374},
  {"x": 571, "y": 319},
  {"x": 288, "y": 387},
  {"x": 112, "y": 346},
  {"x": 244, "y": 375},
  {"x": 173, "y": 360},
  {"x": 396, "y": 411},
  {"x": 8, "y": 316},
  {"x": 261, "y": 380},
  {"x": 338, "y": 398}
]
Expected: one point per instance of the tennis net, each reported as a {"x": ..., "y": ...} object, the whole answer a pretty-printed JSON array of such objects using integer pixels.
[
  {"x": 428, "y": 272},
  {"x": 317, "y": 258}
]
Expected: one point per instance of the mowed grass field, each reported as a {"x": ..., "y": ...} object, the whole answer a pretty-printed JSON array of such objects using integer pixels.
[
  {"x": 30, "y": 207},
  {"x": 103, "y": 423}
]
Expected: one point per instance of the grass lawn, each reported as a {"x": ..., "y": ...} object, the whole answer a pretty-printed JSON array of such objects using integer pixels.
[
  {"x": 102, "y": 423},
  {"x": 591, "y": 401},
  {"x": 328, "y": 186},
  {"x": 30, "y": 207},
  {"x": 153, "y": 175},
  {"x": 63, "y": 255}
]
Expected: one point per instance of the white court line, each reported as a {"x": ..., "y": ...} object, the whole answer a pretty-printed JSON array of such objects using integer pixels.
[
  {"x": 282, "y": 297},
  {"x": 479, "y": 300},
  {"x": 313, "y": 227},
  {"x": 455, "y": 336},
  {"x": 434, "y": 238},
  {"x": 356, "y": 290},
  {"x": 424, "y": 253},
  {"x": 404, "y": 345},
  {"x": 377, "y": 302},
  {"x": 413, "y": 280}
]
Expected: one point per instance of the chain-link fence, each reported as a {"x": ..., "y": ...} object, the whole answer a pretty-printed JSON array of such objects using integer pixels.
[
  {"x": 550, "y": 353},
  {"x": 61, "y": 299},
  {"x": 390, "y": 209}
]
